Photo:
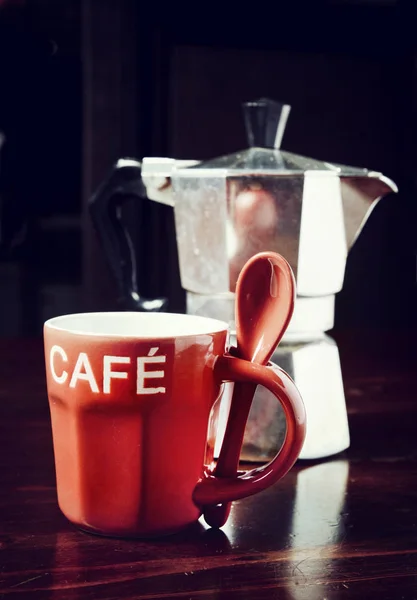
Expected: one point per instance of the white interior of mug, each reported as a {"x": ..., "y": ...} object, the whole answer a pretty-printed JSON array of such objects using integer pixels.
[{"x": 136, "y": 324}]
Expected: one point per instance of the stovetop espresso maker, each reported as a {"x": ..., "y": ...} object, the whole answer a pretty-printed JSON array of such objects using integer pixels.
[{"x": 226, "y": 210}]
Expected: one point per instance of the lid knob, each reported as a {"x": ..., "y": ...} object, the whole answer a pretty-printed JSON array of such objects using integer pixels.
[{"x": 265, "y": 122}]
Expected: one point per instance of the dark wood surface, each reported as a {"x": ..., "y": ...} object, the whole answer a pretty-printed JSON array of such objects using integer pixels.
[{"x": 341, "y": 528}]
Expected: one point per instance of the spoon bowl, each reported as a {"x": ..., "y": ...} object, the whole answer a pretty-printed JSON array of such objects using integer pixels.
[{"x": 265, "y": 297}]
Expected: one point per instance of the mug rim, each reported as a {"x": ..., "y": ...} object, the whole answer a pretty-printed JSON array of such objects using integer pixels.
[{"x": 165, "y": 325}]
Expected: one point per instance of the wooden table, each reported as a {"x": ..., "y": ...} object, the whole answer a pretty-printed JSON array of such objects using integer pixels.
[{"x": 341, "y": 528}]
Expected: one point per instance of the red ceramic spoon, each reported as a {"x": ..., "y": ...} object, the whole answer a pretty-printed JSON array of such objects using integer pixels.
[{"x": 265, "y": 294}]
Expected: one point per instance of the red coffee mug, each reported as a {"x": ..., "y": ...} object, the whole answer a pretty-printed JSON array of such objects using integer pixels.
[{"x": 130, "y": 396}]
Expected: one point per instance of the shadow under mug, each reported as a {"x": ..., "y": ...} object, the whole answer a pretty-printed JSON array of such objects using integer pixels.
[{"x": 130, "y": 397}]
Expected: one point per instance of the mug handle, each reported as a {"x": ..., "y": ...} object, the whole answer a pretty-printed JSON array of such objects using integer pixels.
[{"x": 212, "y": 490}]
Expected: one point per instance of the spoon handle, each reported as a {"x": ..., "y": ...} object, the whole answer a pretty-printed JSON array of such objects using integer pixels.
[{"x": 228, "y": 461}]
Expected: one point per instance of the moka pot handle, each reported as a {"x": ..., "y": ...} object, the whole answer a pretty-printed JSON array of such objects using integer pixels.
[{"x": 123, "y": 183}]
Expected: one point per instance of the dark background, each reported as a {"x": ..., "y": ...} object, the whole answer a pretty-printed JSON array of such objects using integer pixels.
[{"x": 85, "y": 82}]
